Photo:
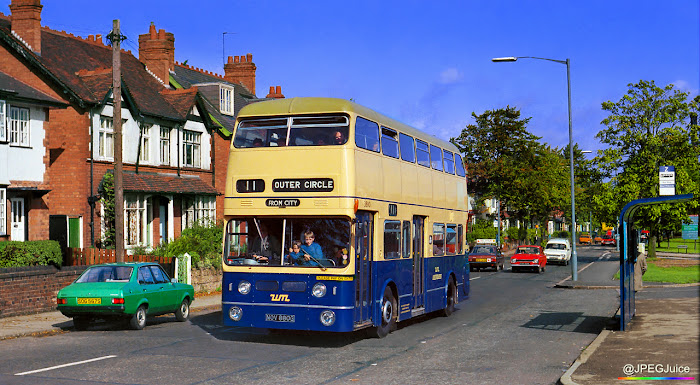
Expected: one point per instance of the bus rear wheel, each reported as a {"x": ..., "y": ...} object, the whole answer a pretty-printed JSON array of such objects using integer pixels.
[
  {"x": 387, "y": 314},
  {"x": 451, "y": 299}
]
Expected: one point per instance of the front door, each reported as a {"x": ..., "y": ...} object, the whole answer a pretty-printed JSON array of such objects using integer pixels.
[
  {"x": 363, "y": 257},
  {"x": 17, "y": 225},
  {"x": 163, "y": 223},
  {"x": 418, "y": 274}
]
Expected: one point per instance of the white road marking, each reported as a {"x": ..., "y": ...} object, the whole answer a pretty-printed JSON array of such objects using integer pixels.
[
  {"x": 471, "y": 279},
  {"x": 64, "y": 365}
]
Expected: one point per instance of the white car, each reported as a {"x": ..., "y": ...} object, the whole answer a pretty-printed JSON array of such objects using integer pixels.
[{"x": 558, "y": 250}]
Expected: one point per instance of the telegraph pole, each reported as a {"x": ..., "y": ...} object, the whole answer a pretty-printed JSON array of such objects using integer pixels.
[{"x": 116, "y": 37}]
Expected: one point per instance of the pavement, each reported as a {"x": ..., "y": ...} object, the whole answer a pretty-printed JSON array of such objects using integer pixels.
[{"x": 53, "y": 322}]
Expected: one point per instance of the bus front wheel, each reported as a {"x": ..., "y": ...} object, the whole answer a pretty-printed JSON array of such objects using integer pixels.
[
  {"x": 451, "y": 298},
  {"x": 387, "y": 314}
]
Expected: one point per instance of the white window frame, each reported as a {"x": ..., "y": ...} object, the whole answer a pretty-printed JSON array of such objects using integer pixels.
[
  {"x": 3, "y": 211},
  {"x": 106, "y": 138},
  {"x": 136, "y": 214},
  {"x": 226, "y": 100},
  {"x": 164, "y": 145},
  {"x": 191, "y": 148},
  {"x": 197, "y": 209},
  {"x": 19, "y": 126},
  {"x": 145, "y": 153},
  {"x": 3, "y": 119}
]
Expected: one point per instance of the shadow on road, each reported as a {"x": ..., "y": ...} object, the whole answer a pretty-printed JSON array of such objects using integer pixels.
[{"x": 574, "y": 322}]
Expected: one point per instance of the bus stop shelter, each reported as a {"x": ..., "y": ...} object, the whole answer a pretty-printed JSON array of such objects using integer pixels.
[{"x": 628, "y": 251}]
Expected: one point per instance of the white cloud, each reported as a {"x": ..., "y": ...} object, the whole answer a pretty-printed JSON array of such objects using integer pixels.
[
  {"x": 451, "y": 75},
  {"x": 684, "y": 86}
]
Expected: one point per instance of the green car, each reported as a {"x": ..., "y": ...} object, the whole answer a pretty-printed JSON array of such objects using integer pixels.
[{"x": 124, "y": 290}]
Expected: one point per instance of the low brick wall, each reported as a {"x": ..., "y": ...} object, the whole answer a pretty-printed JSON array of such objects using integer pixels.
[
  {"x": 206, "y": 280},
  {"x": 26, "y": 290}
]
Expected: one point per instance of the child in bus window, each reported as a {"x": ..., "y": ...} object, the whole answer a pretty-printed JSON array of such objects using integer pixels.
[
  {"x": 296, "y": 256},
  {"x": 311, "y": 248}
]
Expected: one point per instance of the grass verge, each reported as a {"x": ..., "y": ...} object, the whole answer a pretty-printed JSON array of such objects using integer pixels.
[{"x": 670, "y": 274}]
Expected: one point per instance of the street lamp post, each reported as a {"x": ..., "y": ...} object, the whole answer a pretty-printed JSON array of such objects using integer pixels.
[{"x": 574, "y": 259}]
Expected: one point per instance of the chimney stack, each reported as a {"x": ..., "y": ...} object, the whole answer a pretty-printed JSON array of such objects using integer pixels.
[
  {"x": 275, "y": 93},
  {"x": 26, "y": 21},
  {"x": 157, "y": 52},
  {"x": 241, "y": 69}
]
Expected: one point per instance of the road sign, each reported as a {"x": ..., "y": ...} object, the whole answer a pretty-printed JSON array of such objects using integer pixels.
[
  {"x": 667, "y": 180},
  {"x": 690, "y": 231}
]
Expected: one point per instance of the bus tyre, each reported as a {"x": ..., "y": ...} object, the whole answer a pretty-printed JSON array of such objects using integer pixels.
[
  {"x": 387, "y": 314},
  {"x": 451, "y": 299},
  {"x": 183, "y": 311},
  {"x": 138, "y": 320}
]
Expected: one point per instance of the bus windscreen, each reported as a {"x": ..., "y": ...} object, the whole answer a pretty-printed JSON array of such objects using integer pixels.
[{"x": 293, "y": 131}]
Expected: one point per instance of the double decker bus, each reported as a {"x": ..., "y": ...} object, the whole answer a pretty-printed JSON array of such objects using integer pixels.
[{"x": 378, "y": 207}]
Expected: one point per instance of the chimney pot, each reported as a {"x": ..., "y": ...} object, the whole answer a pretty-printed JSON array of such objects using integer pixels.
[
  {"x": 278, "y": 90},
  {"x": 230, "y": 59},
  {"x": 91, "y": 38},
  {"x": 236, "y": 59}
]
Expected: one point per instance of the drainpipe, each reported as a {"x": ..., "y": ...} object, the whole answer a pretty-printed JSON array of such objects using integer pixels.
[
  {"x": 138, "y": 147},
  {"x": 178, "y": 149},
  {"x": 91, "y": 198},
  {"x": 213, "y": 159}
]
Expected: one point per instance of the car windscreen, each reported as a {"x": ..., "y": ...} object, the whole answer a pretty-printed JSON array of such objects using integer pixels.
[
  {"x": 556, "y": 246},
  {"x": 106, "y": 274},
  {"x": 527, "y": 250},
  {"x": 484, "y": 250}
]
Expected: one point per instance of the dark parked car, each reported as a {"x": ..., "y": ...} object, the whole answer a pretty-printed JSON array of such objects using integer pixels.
[
  {"x": 486, "y": 256},
  {"x": 124, "y": 290}
]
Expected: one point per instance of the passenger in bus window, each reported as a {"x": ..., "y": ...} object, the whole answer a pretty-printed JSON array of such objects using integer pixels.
[
  {"x": 265, "y": 246},
  {"x": 312, "y": 250},
  {"x": 296, "y": 256},
  {"x": 257, "y": 142},
  {"x": 320, "y": 141},
  {"x": 338, "y": 138}
]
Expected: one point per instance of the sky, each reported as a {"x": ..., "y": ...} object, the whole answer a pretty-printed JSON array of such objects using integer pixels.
[{"x": 427, "y": 63}]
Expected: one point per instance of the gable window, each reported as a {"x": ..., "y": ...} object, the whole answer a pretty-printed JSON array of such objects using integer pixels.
[
  {"x": 106, "y": 138},
  {"x": 198, "y": 210},
  {"x": 165, "y": 145},
  {"x": 226, "y": 100},
  {"x": 145, "y": 150},
  {"x": 191, "y": 143},
  {"x": 3, "y": 128},
  {"x": 19, "y": 126},
  {"x": 3, "y": 210}
]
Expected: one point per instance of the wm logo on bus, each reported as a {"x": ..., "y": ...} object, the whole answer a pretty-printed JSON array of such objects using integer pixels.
[{"x": 279, "y": 297}]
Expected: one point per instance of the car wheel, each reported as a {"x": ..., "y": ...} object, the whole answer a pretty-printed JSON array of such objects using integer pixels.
[
  {"x": 138, "y": 320},
  {"x": 387, "y": 314},
  {"x": 451, "y": 299},
  {"x": 183, "y": 312},
  {"x": 81, "y": 322}
]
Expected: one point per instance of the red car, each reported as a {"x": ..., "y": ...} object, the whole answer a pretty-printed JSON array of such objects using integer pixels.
[
  {"x": 608, "y": 240},
  {"x": 530, "y": 257}
]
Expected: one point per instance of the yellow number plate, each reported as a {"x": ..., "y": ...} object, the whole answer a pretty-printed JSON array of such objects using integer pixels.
[
  {"x": 481, "y": 259},
  {"x": 89, "y": 301}
]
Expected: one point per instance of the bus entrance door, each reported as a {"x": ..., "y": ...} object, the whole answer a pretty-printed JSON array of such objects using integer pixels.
[
  {"x": 363, "y": 256},
  {"x": 418, "y": 274}
]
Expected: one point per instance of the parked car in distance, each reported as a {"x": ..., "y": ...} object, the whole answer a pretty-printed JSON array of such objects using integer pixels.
[
  {"x": 608, "y": 240},
  {"x": 528, "y": 257},
  {"x": 584, "y": 239},
  {"x": 597, "y": 240},
  {"x": 558, "y": 250},
  {"x": 486, "y": 256},
  {"x": 129, "y": 291}
]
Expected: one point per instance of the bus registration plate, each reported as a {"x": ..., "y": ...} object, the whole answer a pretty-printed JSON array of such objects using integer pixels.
[{"x": 279, "y": 317}]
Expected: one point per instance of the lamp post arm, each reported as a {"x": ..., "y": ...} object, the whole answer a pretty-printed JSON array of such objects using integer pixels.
[{"x": 544, "y": 58}]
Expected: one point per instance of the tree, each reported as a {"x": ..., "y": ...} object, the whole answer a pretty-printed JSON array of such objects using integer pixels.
[
  {"x": 649, "y": 127},
  {"x": 106, "y": 191},
  {"x": 505, "y": 161}
]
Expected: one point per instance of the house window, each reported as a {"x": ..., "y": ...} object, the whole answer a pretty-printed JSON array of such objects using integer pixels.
[
  {"x": 165, "y": 145},
  {"x": 190, "y": 148},
  {"x": 136, "y": 221},
  {"x": 198, "y": 210},
  {"x": 145, "y": 150},
  {"x": 3, "y": 210},
  {"x": 106, "y": 138},
  {"x": 3, "y": 128},
  {"x": 226, "y": 100},
  {"x": 19, "y": 126}
]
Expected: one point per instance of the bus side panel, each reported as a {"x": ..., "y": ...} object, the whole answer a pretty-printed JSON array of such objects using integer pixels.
[{"x": 400, "y": 272}]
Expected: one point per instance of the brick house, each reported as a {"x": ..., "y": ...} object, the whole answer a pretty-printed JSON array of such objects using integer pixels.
[{"x": 177, "y": 125}]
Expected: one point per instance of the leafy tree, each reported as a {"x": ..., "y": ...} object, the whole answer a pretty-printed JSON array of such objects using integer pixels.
[{"x": 647, "y": 128}]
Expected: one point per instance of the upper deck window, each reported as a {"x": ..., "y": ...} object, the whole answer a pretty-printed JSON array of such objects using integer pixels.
[
  {"x": 436, "y": 157},
  {"x": 449, "y": 163},
  {"x": 422, "y": 153},
  {"x": 408, "y": 150},
  {"x": 367, "y": 134},
  {"x": 292, "y": 131},
  {"x": 390, "y": 144},
  {"x": 459, "y": 166}
]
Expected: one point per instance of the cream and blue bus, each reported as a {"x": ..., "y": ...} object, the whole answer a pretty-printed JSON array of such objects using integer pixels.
[{"x": 338, "y": 218}]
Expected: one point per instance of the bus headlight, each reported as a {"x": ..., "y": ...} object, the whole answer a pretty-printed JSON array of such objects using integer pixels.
[
  {"x": 319, "y": 290},
  {"x": 327, "y": 317},
  {"x": 244, "y": 287},
  {"x": 235, "y": 313}
]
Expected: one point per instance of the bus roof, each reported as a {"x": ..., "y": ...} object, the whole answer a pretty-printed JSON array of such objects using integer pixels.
[{"x": 309, "y": 105}]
